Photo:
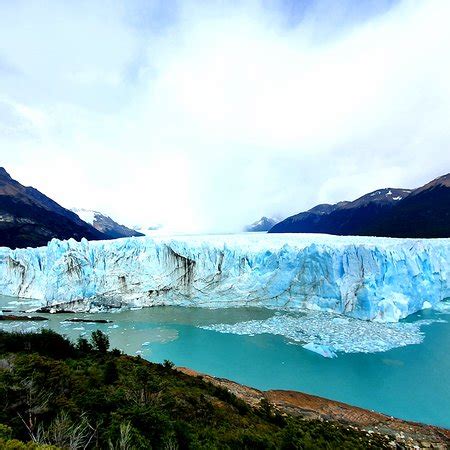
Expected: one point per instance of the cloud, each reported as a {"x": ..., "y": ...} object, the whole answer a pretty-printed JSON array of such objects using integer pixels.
[{"x": 207, "y": 115}]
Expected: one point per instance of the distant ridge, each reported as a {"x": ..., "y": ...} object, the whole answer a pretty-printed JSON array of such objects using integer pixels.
[
  {"x": 105, "y": 224},
  {"x": 28, "y": 218},
  {"x": 390, "y": 212},
  {"x": 263, "y": 224}
]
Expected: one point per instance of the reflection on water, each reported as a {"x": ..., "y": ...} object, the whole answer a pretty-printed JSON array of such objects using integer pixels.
[{"x": 381, "y": 381}]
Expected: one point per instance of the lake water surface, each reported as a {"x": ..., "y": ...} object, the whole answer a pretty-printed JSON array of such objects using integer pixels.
[{"x": 411, "y": 382}]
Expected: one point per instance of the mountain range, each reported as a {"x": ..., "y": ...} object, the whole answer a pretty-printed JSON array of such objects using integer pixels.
[
  {"x": 105, "y": 224},
  {"x": 28, "y": 218},
  {"x": 391, "y": 212}
]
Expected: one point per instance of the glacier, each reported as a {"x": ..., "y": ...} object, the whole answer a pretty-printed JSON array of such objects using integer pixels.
[{"x": 380, "y": 279}]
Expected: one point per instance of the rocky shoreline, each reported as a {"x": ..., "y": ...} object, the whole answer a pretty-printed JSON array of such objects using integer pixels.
[{"x": 403, "y": 434}]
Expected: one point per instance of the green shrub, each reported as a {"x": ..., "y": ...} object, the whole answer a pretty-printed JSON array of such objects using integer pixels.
[
  {"x": 5, "y": 432},
  {"x": 46, "y": 342},
  {"x": 114, "y": 401}
]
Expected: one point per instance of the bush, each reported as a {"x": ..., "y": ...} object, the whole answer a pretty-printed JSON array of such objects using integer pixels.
[
  {"x": 15, "y": 444},
  {"x": 111, "y": 374},
  {"x": 5, "y": 432},
  {"x": 46, "y": 342}
]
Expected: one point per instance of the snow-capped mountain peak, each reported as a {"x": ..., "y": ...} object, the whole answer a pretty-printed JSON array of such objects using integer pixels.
[
  {"x": 263, "y": 224},
  {"x": 86, "y": 215},
  {"x": 104, "y": 223}
]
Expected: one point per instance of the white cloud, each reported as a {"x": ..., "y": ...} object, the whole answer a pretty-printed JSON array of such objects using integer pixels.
[{"x": 219, "y": 114}]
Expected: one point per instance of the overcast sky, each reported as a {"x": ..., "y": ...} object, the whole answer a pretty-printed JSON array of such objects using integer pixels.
[{"x": 206, "y": 115}]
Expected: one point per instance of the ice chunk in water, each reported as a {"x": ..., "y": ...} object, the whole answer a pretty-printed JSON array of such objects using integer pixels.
[
  {"x": 336, "y": 333},
  {"x": 323, "y": 350}
]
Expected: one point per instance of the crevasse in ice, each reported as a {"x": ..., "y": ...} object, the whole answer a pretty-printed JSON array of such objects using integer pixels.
[{"x": 367, "y": 278}]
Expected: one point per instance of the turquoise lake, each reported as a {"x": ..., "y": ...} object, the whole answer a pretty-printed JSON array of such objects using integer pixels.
[{"x": 411, "y": 382}]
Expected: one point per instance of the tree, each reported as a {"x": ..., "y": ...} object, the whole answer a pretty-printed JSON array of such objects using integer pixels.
[
  {"x": 83, "y": 345},
  {"x": 100, "y": 341},
  {"x": 110, "y": 373},
  {"x": 168, "y": 364}
]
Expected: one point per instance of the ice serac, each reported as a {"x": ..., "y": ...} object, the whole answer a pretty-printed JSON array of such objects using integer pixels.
[{"x": 368, "y": 278}]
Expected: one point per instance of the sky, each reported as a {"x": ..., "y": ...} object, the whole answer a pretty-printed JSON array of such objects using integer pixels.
[{"x": 204, "y": 116}]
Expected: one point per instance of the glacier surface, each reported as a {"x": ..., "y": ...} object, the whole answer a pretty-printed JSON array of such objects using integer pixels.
[{"x": 379, "y": 279}]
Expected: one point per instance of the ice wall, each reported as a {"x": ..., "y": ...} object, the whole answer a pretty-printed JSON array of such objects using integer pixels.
[{"x": 368, "y": 278}]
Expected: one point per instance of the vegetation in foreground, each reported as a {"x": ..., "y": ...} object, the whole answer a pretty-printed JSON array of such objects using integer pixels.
[{"x": 56, "y": 394}]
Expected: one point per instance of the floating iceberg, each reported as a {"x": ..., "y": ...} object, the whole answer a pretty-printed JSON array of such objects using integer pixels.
[
  {"x": 323, "y": 350},
  {"x": 368, "y": 278},
  {"x": 326, "y": 333}
]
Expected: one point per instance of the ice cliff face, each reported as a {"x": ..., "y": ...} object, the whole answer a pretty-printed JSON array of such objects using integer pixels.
[{"x": 367, "y": 278}]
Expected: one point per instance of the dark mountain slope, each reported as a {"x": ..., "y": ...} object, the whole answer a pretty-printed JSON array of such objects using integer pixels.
[
  {"x": 423, "y": 212},
  {"x": 28, "y": 218}
]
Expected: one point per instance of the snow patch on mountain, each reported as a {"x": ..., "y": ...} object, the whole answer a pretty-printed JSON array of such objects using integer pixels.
[
  {"x": 263, "y": 224},
  {"x": 86, "y": 215}
]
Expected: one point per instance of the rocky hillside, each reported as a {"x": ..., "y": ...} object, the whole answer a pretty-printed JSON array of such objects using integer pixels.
[
  {"x": 402, "y": 434},
  {"x": 29, "y": 218}
]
